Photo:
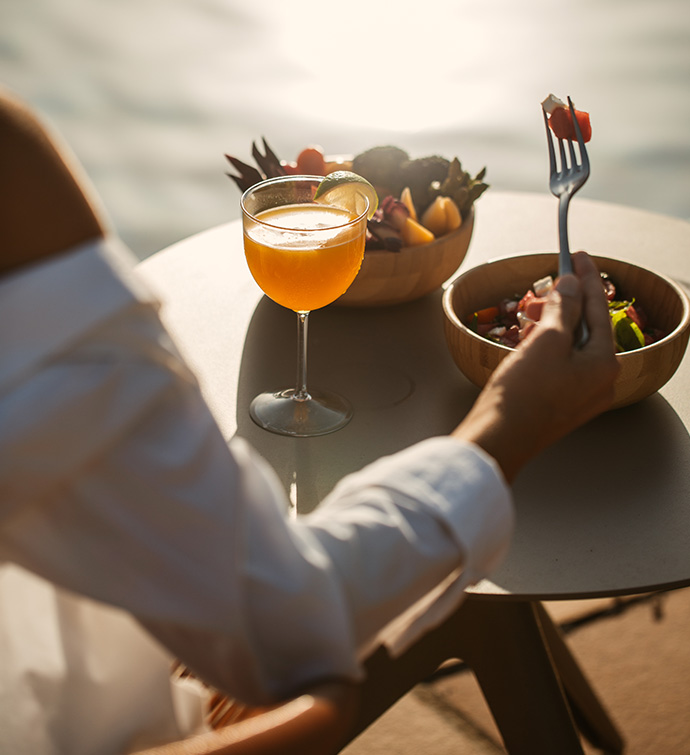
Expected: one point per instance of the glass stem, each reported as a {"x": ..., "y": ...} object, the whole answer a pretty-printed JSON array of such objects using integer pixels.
[{"x": 301, "y": 393}]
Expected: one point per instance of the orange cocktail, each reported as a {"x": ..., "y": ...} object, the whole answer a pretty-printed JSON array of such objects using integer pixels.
[
  {"x": 304, "y": 247},
  {"x": 300, "y": 269}
]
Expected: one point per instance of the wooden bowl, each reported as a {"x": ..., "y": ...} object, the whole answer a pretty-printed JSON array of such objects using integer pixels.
[
  {"x": 387, "y": 278},
  {"x": 642, "y": 372}
]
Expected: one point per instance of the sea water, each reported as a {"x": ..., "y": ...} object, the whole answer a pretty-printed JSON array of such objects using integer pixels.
[{"x": 150, "y": 94}]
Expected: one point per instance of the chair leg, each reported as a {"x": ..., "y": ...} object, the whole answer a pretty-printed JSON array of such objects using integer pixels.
[
  {"x": 591, "y": 716},
  {"x": 388, "y": 679}
]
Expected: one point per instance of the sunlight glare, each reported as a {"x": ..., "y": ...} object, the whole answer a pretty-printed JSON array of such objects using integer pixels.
[{"x": 384, "y": 67}]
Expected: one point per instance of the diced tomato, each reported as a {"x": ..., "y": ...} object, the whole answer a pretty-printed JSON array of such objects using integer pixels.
[
  {"x": 637, "y": 316},
  {"x": 487, "y": 315},
  {"x": 561, "y": 122},
  {"x": 311, "y": 162},
  {"x": 290, "y": 169},
  {"x": 526, "y": 298},
  {"x": 534, "y": 307}
]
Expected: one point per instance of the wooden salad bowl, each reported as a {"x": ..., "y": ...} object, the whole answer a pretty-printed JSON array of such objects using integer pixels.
[
  {"x": 642, "y": 372},
  {"x": 388, "y": 278}
]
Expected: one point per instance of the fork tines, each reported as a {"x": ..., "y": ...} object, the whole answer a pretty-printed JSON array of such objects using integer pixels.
[{"x": 573, "y": 164}]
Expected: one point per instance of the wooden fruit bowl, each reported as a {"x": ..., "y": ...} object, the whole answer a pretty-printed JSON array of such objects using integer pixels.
[
  {"x": 388, "y": 278},
  {"x": 642, "y": 372}
]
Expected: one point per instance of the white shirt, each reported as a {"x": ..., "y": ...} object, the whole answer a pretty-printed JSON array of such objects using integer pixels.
[
  {"x": 81, "y": 678},
  {"x": 116, "y": 483}
]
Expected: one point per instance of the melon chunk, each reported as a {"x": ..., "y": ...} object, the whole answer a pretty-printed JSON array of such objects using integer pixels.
[
  {"x": 406, "y": 199},
  {"x": 414, "y": 233},
  {"x": 453, "y": 216},
  {"x": 442, "y": 216}
]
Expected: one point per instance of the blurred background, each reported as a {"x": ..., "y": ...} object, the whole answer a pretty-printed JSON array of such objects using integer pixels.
[{"x": 150, "y": 94}]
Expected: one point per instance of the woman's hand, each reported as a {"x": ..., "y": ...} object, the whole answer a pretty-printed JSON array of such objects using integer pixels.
[{"x": 548, "y": 387}]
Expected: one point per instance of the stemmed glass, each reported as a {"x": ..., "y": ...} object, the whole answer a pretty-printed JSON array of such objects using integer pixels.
[{"x": 303, "y": 254}]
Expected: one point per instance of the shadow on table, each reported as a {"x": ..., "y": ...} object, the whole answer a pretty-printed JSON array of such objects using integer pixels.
[
  {"x": 394, "y": 366},
  {"x": 389, "y": 362},
  {"x": 640, "y": 456}
]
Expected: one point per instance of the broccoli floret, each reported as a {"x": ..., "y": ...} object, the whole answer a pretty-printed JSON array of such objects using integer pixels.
[
  {"x": 381, "y": 167},
  {"x": 423, "y": 176}
]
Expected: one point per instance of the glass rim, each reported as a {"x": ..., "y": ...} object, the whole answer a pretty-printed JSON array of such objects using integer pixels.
[{"x": 289, "y": 179}]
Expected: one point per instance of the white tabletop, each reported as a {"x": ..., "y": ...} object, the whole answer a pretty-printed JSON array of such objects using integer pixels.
[{"x": 606, "y": 511}]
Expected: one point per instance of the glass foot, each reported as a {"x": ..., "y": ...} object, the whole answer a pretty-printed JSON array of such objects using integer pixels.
[{"x": 281, "y": 413}]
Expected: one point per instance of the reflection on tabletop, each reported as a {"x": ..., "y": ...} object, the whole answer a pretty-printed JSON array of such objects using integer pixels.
[{"x": 365, "y": 354}]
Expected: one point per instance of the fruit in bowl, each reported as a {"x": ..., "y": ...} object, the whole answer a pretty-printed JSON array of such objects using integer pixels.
[
  {"x": 420, "y": 233},
  {"x": 387, "y": 278},
  {"x": 643, "y": 369}
]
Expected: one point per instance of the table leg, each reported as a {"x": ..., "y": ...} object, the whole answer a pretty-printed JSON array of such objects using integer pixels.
[
  {"x": 591, "y": 717},
  {"x": 528, "y": 677},
  {"x": 504, "y": 645}
]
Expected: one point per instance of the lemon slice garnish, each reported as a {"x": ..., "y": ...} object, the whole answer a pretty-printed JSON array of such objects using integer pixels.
[{"x": 349, "y": 191}]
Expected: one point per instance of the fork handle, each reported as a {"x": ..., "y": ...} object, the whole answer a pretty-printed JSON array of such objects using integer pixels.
[{"x": 565, "y": 263}]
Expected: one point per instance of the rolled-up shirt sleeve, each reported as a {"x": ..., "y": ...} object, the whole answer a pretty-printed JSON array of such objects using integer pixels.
[
  {"x": 117, "y": 483},
  {"x": 444, "y": 514}
]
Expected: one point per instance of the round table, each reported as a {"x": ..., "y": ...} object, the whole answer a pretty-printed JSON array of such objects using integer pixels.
[{"x": 604, "y": 512}]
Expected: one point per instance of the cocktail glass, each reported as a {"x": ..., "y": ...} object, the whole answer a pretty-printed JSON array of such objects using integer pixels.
[{"x": 304, "y": 255}]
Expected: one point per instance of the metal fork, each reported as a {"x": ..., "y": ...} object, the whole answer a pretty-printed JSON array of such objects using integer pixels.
[{"x": 564, "y": 182}]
